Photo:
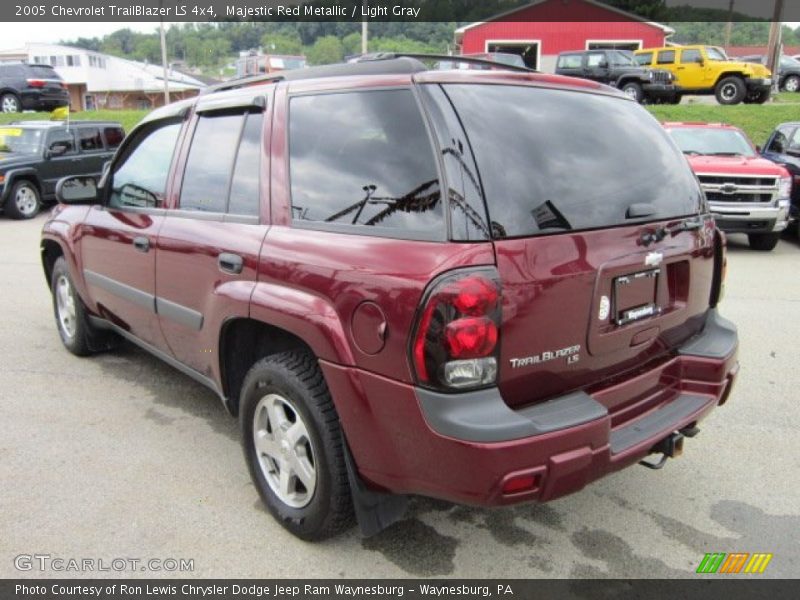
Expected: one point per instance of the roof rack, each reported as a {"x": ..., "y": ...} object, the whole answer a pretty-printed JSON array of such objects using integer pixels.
[
  {"x": 379, "y": 63},
  {"x": 378, "y": 56}
]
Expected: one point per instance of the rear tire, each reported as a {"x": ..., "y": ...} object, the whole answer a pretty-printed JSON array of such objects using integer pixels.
[
  {"x": 763, "y": 242},
  {"x": 24, "y": 201},
  {"x": 633, "y": 90},
  {"x": 294, "y": 446},
  {"x": 9, "y": 103},
  {"x": 730, "y": 90},
  {"x": 791, "y": 84}
]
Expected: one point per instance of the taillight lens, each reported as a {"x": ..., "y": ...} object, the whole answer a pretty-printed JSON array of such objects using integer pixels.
[
  {"x": 455, "y": 345},
  {"x": 36, "y": 83}
]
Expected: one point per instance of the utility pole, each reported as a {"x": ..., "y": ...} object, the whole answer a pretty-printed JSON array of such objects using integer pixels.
[
  {"x": 774, "y": 49},
  {"x": 729, "y": 26},
  {"x": 164, "y": 57}
]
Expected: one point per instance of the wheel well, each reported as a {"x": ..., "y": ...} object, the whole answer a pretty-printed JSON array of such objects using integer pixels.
[
  {"x": 729, "y": 74},
  {"x": 626, "y": 80},
  {"x": 51, "y": 251},
  {"x": 243, "y": 342},
  {"x": 30, "y": 178}
]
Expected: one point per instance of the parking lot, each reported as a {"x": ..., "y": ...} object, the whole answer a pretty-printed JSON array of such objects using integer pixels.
[{"x": 120, "y": 456}]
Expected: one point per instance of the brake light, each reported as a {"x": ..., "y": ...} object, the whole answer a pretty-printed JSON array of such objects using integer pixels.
[
  {"x": 36, "y": 83},
  {"x": 720, "y": 268},
  {"x": 455, "y": 345}
]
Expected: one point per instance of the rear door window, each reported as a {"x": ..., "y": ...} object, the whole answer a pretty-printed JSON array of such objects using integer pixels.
[
  {"x": 666, "y": 57},
  {"x": 363, "y": 159},
  {"x": 569, "y": 61},
  {"x": 89, "y": 139},
  {"x": 579, "y": 161},
  {"x": 114, "y": 136}
]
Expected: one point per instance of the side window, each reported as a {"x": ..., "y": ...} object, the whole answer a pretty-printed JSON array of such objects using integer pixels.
[
  {"x": 245, "y": 197},
  {"x": 89, "y": 139},
  {"x": 666, "y": 57},
  {"x": 363, "y": 158},
  {"x": 643, "y": 59},
  {"x": 208, "y": 168},
  {"x": 569, "y": 61},
  {"x": 794, "y": 143},
  {"x": 140, "y": 179},
  {"x": 114, "y": 136},
  {"x": 594, "y": 59},
  {"x": 779, "y": 142},
  {"x": 61, "y": 138},
  {"x": 690, "y": 56}
]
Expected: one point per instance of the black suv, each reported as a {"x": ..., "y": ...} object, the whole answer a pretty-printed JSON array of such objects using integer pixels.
[
  {"x": 618, "y": 69},
  {"x": 783, "y": 147},
  {"x": 31, "y": 87},
  {"x": 34, "y": 155},
  {"x": 788, "y": 71}
]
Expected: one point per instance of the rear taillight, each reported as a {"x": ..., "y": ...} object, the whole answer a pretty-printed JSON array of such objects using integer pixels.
[
  {"x": 456, "y": 340},
  {"x": 37, "y": 83},
  {"x": 720, "y": 268}
]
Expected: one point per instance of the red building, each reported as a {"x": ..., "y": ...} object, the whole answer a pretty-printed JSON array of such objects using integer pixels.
[{"x": 539, "y": 31}]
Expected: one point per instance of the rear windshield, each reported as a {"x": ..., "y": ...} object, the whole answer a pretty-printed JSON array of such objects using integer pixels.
[
  {"x": 43, "y": 72},
  {"x": 553, "y": 160}
]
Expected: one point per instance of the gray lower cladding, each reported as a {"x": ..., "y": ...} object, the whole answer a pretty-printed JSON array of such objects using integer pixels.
[
  {"x": 169, "y": 310},
  {"x": 483, "y": 415}
]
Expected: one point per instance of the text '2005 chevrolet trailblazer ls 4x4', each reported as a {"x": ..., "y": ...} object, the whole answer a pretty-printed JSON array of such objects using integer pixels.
[{"x": 482, "y": 286}]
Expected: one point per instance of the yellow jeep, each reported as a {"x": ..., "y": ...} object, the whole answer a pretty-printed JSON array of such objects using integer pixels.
[{"x": 707, "y": 70}]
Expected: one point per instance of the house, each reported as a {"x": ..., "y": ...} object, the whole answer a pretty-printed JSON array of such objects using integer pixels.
[
  {"x": 539, "y": 31},
  {"x": 101, "y": 81}
]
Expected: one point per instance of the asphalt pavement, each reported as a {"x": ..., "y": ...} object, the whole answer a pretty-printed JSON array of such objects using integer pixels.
[{"x": 119, "y": 456}]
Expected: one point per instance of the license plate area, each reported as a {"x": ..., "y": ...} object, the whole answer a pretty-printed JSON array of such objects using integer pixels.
[{"x": 635, "y": 296}]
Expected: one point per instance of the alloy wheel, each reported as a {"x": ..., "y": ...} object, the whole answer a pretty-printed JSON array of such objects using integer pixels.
[
  {"x": 26, "y": 201},
  {"x": 65, "y": 306}
]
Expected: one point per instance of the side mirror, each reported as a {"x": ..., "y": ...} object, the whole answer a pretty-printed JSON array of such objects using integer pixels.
[
  {"x": 758, "y": 148},
  {"x": 700, "y": 61},
  {"x": 77, "y": 190},
  {"x": 57, "y": 149}
]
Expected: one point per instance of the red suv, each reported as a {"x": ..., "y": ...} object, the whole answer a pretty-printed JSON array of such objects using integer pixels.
[{"x": 482, "y": 286}]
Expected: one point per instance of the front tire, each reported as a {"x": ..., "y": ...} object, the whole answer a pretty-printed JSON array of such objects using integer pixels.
[
  {"x": 791, "y": 84},
  {"x": 294, "y": 446},
  {"x": 763, "y": 242},
  {"x": 730, "y": 90},
  {"x": 9, "y": 103},
  {"x": 71, "y": 318},
  {"x": 24, "y": 201},
  {"x": 633, "y": 90},
  {"x": 758, "y": 97}
]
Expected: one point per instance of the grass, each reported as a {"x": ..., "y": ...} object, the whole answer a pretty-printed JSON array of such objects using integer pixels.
[{"x": 128, "y": 118}]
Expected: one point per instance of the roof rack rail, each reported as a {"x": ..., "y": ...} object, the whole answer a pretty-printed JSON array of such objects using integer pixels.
[
  {"x": 235, "y": 84},
  {"x": 378, "y": 56}
]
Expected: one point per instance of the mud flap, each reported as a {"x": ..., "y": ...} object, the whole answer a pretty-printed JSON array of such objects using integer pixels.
[{"x": 375, "y": 511}]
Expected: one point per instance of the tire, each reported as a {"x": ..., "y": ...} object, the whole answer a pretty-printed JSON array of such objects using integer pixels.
[
  {"x": 71, "y": 318},
  {"x": 633, "y": 90},
  {"x": 791, "y": 84},
  {"x": 730, "y": 90},
  {"x": 299, "y": 473},
  {"x": 24, "y": 201},
  {"x": 676, "y": 99},
  {"x": 763, "y": 242},
  {"x": 759, "y": 97},
  {"x": 9, "y": 103}
]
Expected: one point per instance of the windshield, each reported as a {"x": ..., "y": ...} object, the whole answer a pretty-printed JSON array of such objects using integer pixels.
[
  {"x": 715, "y": 53},
  {"x": 618, "y": 59},
  {"x": 578, "y": 161},
  {"x": 714, "y": 142},
  {"x": 19, "y": 140}
]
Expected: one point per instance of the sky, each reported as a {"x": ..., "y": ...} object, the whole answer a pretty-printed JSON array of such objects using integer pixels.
[{"x": 19, "y": 34}]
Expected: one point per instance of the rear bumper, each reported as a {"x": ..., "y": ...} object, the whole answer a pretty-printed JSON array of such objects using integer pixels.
[
  {"x": 39, "y": 100},
  {"x": 465, "y": 447}
]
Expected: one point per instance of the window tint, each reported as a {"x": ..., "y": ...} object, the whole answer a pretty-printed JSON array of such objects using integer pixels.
[
  {"x": 363, "y": 158},
  {"x": 114, "y": 136},
  {"x": 644, "y": 59},
  {"x": 61, "y": 138},
  {"x": 690, "y": 56},
  {"x": 570, "y": 61},
  {"x": 666, "y": 57},
  {"x": 89, "y": 139},
  {"x": 141, "y": 179},
  {"x": 779, "y": 142},
  {"x": 578, "y": 161},
  {"x": 208, "y": 168},
  {"x": 244, "y": 196}
]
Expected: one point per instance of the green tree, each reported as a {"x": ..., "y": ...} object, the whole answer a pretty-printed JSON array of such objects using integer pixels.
[
  {"x": 326, "y": 50},
  {"x": 281, "y": 43}
]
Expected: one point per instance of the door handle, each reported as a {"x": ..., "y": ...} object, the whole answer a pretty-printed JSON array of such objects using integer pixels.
[
  {"x": 230, "y": 263},
  {"x": 141, "y": 243}
]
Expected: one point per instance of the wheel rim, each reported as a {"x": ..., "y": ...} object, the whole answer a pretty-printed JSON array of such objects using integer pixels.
[
  {"x": 284, "y": 450},
  {"x": 9, "y": 104},
  {"x": 728, "y": 91},
  {"x": 630, "y": 92},
  {"x": 26, "y": 200},
  {"x": 792, "y": 84},
  {"x": 65, "y": 307}
]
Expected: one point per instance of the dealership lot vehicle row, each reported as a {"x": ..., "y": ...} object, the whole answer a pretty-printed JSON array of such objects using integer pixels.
[{"x": 123, "y": 456}]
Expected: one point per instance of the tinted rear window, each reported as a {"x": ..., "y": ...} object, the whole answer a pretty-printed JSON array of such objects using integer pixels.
[
  {"x": 43, "y": 72},
  {"x": 553, "y": 160}
]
